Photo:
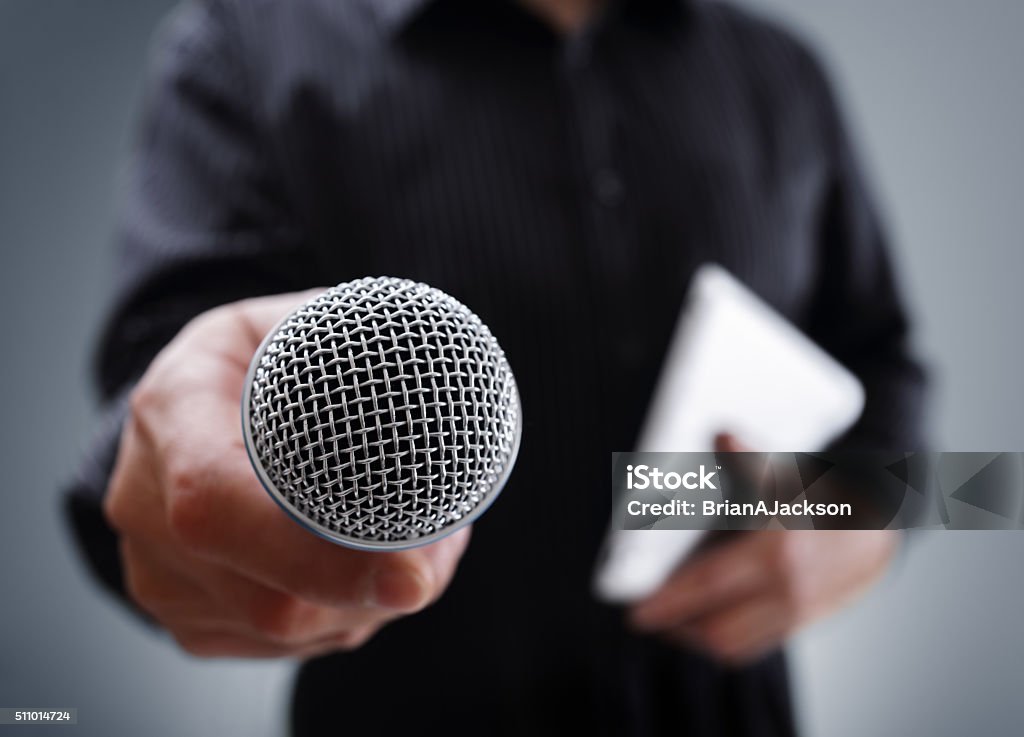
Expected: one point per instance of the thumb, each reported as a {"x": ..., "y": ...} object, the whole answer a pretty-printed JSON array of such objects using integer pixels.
[
  {"x": 743, "y": 463},
  {"x": 728, "y": 443}
]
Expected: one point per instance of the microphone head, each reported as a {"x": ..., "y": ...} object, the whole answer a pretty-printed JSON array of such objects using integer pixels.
[{"x": 382, "y": 414}]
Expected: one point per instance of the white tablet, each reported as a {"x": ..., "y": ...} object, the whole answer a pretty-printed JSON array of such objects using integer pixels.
[{"x": 734, "y": 365}]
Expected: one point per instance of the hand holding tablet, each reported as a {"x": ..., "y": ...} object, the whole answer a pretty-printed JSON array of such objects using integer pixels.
[{"x": 735, "y": 365}]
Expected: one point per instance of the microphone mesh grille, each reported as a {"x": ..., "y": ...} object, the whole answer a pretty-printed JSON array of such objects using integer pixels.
[{"x": 383, "y": 412}]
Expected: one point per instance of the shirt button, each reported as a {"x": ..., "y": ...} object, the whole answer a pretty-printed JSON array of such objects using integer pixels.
[{"x": 608, "y": 187}]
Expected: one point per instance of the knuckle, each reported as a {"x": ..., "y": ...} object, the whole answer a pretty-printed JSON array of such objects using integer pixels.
[
  {"x": 141, "y": 399},
  {"x": 119, "y": 507},
  {"x": 116, "y": 510},
  {"x": 183, "y": 476},
  {"x": 277, "y": 617},
  {"x": 189, "y": 508},
  {"x": 211, "y": 320}
]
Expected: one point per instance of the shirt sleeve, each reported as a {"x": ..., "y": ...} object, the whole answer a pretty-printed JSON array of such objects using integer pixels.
[
  {"x": 203, "y": 222},
  {"x": 858, "y": 314}
]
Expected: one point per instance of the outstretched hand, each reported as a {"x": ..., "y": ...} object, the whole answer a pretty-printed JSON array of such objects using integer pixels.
[{"x": 205, "y": 549}]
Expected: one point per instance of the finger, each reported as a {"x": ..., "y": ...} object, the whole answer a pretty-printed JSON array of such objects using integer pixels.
[
  {"x": 134, "y": 502},
  {"x": 444, "y": 558},
  {"x": 220, "y": 643},
  {"x": 740, "y": 633},
  {"x": 218, "y": 509},
  {"x": 259, "y": 315},
  {"x": 347, "y": 632},
  {"x": 164, "y": 593},
  {"x": 233, "y": 332},
  {"x": 223, "y": 514},
  {"x": 716, "y": 578},
  {"x": 345, "y": 641},
  {"x": 729, "y": 443},
  {"x": 272, "y": 616},
  {"x": 196, "y": 593},
  {"x": 743, "y": 462}
]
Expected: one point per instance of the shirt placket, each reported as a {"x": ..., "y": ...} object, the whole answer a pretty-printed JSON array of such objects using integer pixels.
[{"x": 606, "y": 250}]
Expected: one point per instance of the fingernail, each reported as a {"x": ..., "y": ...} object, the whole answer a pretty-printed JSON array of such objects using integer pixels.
[{"x": 402, "y": 589}]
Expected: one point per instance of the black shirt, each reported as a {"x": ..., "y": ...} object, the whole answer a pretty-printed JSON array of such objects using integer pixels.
[{"x": 564, "y": 189}]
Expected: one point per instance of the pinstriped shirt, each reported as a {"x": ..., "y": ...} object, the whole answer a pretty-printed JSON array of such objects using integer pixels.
[{"x": 565, "y": 189}]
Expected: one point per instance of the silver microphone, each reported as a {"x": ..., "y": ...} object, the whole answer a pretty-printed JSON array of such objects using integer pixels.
[{"x": 382, "y": 414}]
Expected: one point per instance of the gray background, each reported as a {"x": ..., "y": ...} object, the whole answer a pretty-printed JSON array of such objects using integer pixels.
[{"x": 933, "y": 89}]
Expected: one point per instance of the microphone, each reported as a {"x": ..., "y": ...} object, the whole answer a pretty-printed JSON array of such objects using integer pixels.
[{"x": 382, "y": 414}]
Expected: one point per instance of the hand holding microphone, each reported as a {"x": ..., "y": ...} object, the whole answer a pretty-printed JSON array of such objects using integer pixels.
[{"x": 410, "y": 420}]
